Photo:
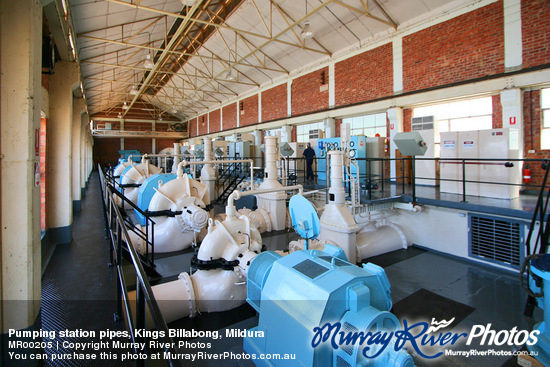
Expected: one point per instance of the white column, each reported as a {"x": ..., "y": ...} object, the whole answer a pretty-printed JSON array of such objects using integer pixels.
[
  {"x": 260, "y": 119},
  {"x": 397, "y": 45},
  {"x": 513, "y": 50},
  {"x": 395, "y": 117},
  {"x": 289, "y": 98},
  {"x": 60, "y": 216},
  {"x": 20, "y": 257},
  {"x": 78, "y": 111}
]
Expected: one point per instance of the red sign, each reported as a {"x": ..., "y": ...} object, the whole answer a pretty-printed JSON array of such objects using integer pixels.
[
  {"x": 361, "y": 143},
  {"x": 512, "y": 120},
  {"x": 37, "y": 142},
  {"x": 391, "y": 126}
]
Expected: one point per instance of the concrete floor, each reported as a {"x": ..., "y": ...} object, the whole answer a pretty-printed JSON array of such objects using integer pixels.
[{"x": 79, "y": 290}]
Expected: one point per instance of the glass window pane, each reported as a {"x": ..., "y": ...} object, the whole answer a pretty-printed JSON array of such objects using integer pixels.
[
  {"x": 443, "y": 126},
  {"x": 369, "y": 121},
  {"x": 381, "y": 130},
  {"x": 381, "y": 119},
  {"x": 545, "y": 98},
  {"x": 481, "y": 106},
  {"x": 545, "y": 139},
  {"x": 442, "y": 111},
  {"x": 422, "y": 111},
  {"x": 459, "y": 109},
  {"x": 546, "y": 118}
]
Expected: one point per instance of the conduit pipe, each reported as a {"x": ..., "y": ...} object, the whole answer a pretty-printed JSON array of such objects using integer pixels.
[
  {"x": 182, "y": 164},
  {"x": 230, "y": 209},
  {"x": 216, "y": 290}
]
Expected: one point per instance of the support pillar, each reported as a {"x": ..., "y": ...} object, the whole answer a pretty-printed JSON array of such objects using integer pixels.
[
  {"x": 395, "y": 119},
  {"x": 60, "y": 214},
  {"x": 78, "y": 111},
  {"x": 84, "y": 142},
  {"x": 20, "y": 80}
]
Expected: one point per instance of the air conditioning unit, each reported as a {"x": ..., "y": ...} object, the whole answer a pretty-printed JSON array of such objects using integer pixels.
[
  {"x": 423, "y": 123},
  {"x": 316, "y": 134}
]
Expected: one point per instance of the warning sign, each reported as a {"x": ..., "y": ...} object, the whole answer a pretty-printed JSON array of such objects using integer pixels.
[
  {"x": 449, "y": 144},
  {"x": 468, "y": 144}
]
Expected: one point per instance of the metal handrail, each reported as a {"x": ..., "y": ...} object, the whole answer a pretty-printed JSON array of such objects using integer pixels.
[{"x": 144, "y": 294}]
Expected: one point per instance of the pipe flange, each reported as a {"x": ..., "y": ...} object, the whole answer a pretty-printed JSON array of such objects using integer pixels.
[
  {"x": 267, "y": 219},
  {"x": 190, "y": 292},
  {"x": 228, "y": 265},
  {"x": 204, "y": 264}
]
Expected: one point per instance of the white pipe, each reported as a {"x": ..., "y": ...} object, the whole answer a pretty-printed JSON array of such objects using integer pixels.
[
  {"x": 336, "y": 163},
  {"x": 230, "y": 210},
  {"x": 182, "y": 165},
  {"x": 271, "y": 158},
  {"x": 177, "y": 148}
]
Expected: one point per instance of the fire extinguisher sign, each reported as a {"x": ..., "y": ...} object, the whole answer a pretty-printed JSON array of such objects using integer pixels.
[{"x": 513, "y": 120}]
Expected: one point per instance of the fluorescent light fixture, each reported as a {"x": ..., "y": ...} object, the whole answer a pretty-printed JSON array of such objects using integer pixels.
[{"x": 148, "y": 63}]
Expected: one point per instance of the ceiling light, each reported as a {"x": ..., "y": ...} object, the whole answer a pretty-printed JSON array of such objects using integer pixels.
[
  {"x": 134, "y": 90},
  {"x": 125, "y": 106},
  {"x": 148, "y": 63},
  {"x": 119, "y": 115},
  {"x": 229, "y": 75},
  {"x": 174, "y": 109},
  {"x": 307, "y": 32}
]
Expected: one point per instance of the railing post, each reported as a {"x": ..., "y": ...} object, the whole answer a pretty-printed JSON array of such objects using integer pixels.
[
  {"x": 140, "y": 319},
  {"x": 463, "y": 180},
  {"x": 413, "y": 180}
]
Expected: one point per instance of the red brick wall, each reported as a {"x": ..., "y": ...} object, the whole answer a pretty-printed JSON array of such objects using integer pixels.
[
  {"x": 249, "y": 112},
  {"x": 463, "y": 48},
  {"x": 306, "y": 94},
  {"x": 535, "y": 31},
  {"x": 407, "y": 119},
  {"x": 215, "y": 118},
  {"x": 193, "y": 128},
  {"x": 230, "y": 116},
  {"x": 364, "y": 77},
  {"x": 532, "y": 122},
  {"x": 106, "y": 151},
  {"x": 497, "y": 112},
  {"x": 143, "y": 145},
  {"x": 165, "y": 143},
  {"x": 203, "y": 124},
  {"x": 274, "y": 103}
]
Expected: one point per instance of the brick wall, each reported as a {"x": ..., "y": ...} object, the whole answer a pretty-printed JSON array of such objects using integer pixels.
[
  {"x": 215, "y": 119},
  {"x": 535, "y": 31},
  {"x": 165, "y": 143},
  {"x": 106, "y": 151},
  {"x": 532, "y": 123},
  {"x": 248, "y": 111},
  {"x": 193, "y": 127},
  {"x": 307, "y": 95},
  {"x": 497, "y": 112},
  {"x": 230, "y": 116},
  {"x": 143, "y": 145},
  {"x": 274, "y": 103},
  {"x": 364, "y": 77},
  {"x": 203, "y": 124},
  {"x": 466, "y": 47},
  {"x": 407, "y": 119}
]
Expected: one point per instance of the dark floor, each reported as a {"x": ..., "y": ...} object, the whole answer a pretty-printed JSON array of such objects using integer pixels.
[{"x": 79, "y": 292}]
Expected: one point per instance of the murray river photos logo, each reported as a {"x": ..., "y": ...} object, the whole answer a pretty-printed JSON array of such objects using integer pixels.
[{"x": 418, "y": 336}]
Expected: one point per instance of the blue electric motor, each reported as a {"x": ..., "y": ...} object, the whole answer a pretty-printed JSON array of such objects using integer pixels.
[
  {"x": 306, "y": 289},
  {"x": 147, "y": 190}
]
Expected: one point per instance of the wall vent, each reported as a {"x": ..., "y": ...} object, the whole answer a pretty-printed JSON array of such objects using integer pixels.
[
  {"x": 422, "y": 123},
  {"x": 496, "y": 239}
]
